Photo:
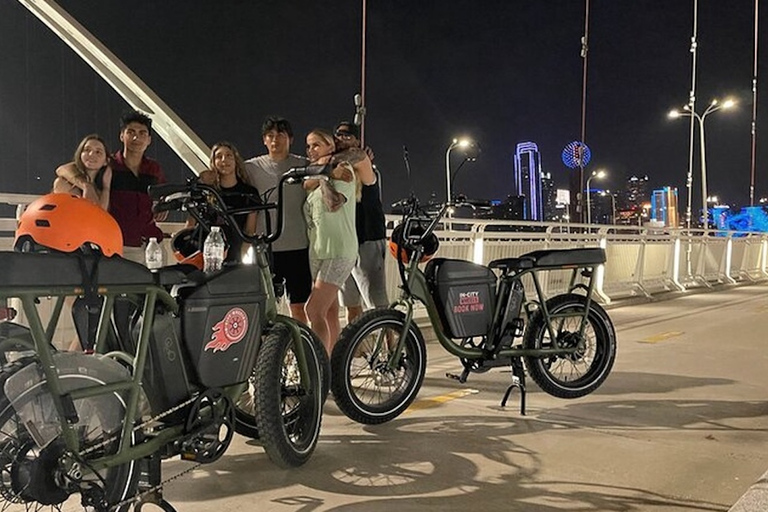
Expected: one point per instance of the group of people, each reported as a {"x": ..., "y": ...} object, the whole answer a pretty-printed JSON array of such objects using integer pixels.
[{"x": 333, "y": 241}]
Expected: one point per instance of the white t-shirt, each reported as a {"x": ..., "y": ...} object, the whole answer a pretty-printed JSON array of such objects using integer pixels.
[{"x": 265, "y": 174}]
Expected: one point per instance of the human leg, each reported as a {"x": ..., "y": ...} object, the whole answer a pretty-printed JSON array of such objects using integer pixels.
[
  {"x": 293, "y": 268},
  {"x": 369, "y": 273},
  {"x": 323, "y": 302},
  {"x": 350, "y": 299}
]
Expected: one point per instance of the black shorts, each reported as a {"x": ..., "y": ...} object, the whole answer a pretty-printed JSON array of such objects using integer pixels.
[{"x": 293, "y": 267}]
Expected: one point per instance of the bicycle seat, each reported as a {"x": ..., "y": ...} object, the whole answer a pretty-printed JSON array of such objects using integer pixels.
[{"x": 552, "y": 258}]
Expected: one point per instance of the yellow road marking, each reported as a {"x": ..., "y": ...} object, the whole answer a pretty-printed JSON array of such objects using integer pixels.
[
  {"x": 661, "y": 337},
  {"x": 435, "y": 401}
]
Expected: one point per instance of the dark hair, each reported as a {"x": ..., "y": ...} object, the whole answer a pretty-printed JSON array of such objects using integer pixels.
[
  {"x": 349, "y": 127},
  {"x": 276, "y": 123},
  {"x": 134, "y": 116}
]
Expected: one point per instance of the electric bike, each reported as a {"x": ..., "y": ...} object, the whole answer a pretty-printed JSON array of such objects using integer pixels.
[
  {"x": 481, "y": 315},
  {"x": 180, "y": 361}
]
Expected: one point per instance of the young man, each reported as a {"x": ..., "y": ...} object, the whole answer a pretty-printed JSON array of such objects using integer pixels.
[
  {"x": 368, "y": 277},
  {"x": 290, "y": 252},
  {"x": 132, "y": 174}
]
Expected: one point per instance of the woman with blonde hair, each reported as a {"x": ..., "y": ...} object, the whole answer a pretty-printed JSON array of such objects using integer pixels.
[
  {"x": 330, "y": 214},
  {"x": 88, "y": 175}
]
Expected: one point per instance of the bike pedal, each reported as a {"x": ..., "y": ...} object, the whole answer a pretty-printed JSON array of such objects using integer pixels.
[{"x": 461, "y": 378}]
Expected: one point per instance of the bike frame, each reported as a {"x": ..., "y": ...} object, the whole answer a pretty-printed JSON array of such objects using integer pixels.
[
  {"x": 149, "y": 295},
  {"x": 414, "y": 287}
]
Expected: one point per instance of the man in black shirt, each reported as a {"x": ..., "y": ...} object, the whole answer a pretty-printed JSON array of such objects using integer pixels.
[{"x": 368, "y": 280}]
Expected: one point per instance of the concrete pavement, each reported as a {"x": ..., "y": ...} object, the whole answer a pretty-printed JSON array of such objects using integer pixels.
[{"x": 680, "y": 425}]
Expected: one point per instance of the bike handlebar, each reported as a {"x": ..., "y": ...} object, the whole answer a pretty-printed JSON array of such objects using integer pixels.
[{"x": 193, "y": 196}]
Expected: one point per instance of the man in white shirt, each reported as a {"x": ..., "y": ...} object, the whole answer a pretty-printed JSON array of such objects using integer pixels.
[{"x": 290, "y": 252}]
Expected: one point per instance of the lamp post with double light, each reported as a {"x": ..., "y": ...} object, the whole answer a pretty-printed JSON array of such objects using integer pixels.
[
  {"x": 595, "y": 174},
  {"x": 456, "y": 143},
  {"x": 713, "y": 106}
]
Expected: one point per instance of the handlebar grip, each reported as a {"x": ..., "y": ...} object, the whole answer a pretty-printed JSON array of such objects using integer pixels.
[
  {"x": 169, "y": 205},
  {"x": 309, "y": 170},
  {"x": 165, "y": 189}
]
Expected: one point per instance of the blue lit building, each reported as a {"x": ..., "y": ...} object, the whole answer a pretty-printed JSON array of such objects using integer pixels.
[
  {"x": 664, "y": 206},
  {"x": 528, "y": 179}
]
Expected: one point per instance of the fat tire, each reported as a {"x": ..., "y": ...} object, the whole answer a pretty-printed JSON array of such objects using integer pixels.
[
  {"x": 603, "y": 348},
  {"x": 245, "y": 415},
  {"x": 349, "y": 396},
  {"x": 120, "y": 483},
  {"x": 288, "y": 436}
]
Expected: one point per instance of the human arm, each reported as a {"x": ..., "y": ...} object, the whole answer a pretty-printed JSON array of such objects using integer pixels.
[
  {"x": 62, "y": 186},
  {"x": 106, "y": 184},
  {"x": 249, "y": 229},
  {"x": 160, "y": 177},
  {"x": 360, "y": 162}
]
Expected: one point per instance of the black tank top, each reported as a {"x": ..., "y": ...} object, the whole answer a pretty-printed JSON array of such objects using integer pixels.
[{"x": 370, "y": 221}]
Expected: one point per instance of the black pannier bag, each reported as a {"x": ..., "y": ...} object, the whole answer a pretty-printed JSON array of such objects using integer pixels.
[
  {"x": 221, "y": 321},
  {"x": 165, "y": 373},
  {"x": 464, "y": 293}
]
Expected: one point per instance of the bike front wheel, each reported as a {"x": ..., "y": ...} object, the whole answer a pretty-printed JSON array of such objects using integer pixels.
[
  {"x": 245, "y": 405},
  {"x": 366, "y": 387},
  {"x": 288, "y": 402},
  {"x": 576, "y": 374}
]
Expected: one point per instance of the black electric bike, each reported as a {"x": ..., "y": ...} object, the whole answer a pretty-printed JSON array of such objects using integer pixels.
[
  {"x": 481, "y": 315},
  {"x": 201, "y": 357}
]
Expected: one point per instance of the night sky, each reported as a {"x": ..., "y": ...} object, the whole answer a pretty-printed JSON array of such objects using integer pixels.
[{"x": 501, "y": 71}]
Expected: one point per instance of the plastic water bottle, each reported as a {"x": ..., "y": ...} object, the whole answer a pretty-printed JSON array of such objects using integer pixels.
[
  {"x": 213, "y": 250},
  {"x": 153, "y": 254}
]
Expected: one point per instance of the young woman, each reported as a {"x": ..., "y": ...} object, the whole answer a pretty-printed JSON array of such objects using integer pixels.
[
  {"x": 89, "y": 174},
  {"x": 330, "y": 214},
  {"x": 227, "y": 173}
]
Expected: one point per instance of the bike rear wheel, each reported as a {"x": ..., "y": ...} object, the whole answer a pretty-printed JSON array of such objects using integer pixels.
[
  {"x": 365, "y": 388},
  {"x": 580, "y": 373},
  {"x": 33, "y": 476},
  {"x": 245, "y": 406},
  {"x": 288, "y": 406}
]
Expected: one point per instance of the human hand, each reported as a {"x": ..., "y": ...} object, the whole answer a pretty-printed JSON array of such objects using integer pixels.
[{"x": 369, "y": 152}]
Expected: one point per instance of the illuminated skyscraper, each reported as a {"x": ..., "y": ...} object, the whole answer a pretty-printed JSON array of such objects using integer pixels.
[
  {"x": 664, "y": 206},
  {"x": 528, "y": 179}
]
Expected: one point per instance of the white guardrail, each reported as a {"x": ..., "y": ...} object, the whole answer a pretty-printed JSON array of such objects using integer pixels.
[{"x": 641, "y": 261}]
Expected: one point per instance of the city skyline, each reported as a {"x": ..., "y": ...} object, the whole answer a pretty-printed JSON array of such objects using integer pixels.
[{"x": 502, "y": 74}]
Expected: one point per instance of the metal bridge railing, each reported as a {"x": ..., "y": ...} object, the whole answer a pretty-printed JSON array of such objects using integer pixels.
[{"x": 641, "y": 261}]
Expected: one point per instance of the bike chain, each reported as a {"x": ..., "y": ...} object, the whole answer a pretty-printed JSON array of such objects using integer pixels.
[{"x": 140, "y": 426}]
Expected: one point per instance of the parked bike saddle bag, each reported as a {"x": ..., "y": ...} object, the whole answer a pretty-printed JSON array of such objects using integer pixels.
[
  {"x": 221, "y": 324},
  {"x": 166, "y": 372},
  {"x": 464, "y": 293}
]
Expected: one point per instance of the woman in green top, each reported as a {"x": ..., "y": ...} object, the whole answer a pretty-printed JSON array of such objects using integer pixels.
[{"x": 330, "y": 214}]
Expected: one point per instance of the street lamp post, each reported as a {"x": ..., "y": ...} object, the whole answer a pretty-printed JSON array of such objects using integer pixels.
[
  {"x": 598, "y": 175},
  {"x": 714, "y": 106},
  {"x": 456, "y": 143},
  {"x": 613, "y": 206}
]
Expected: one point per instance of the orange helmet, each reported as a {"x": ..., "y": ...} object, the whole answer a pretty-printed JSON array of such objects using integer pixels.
[
  {"x": 430, "y": 244},
  {"x": 187, "y": 245},
  {"x": 65, "y": 223}
]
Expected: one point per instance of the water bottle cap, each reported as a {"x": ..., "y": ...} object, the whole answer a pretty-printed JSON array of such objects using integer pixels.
[
  {"x": 214, "y": 228},
  {"x": 152, "y": 239}
]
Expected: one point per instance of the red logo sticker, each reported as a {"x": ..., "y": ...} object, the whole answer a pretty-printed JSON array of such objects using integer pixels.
[{"x": 229, "y": 331}]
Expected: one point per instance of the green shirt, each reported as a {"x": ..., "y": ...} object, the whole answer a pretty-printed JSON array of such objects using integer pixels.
[{"x": 332, "y": 234}]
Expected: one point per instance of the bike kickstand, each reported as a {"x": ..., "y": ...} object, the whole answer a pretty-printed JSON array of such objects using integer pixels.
[{"x": 518, "y": 381}]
